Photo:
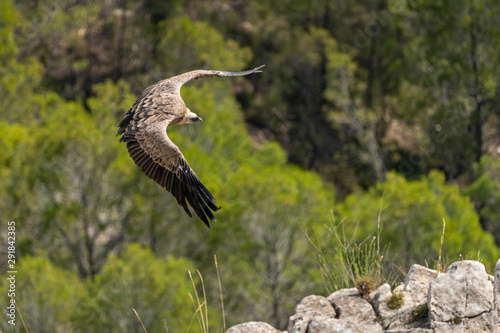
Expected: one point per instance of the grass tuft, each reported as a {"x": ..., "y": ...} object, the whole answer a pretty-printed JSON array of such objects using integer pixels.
[
  {"x": 365, "y": 285},
  {"x": 200, "y": 308},
  {"x": 345, "y": 262},
  {"x": 396, "y": 300},
  {"x": 200, "y": 304},
  {"x": 421, "y": 313}
]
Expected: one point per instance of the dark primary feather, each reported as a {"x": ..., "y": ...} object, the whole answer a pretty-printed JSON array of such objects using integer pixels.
[
  {"x": 144, "y": 130},
  {"x": 183, "y": 184}
]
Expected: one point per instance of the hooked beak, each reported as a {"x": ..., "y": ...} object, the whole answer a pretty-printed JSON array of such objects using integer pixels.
[{"x": 199, "y": 119}]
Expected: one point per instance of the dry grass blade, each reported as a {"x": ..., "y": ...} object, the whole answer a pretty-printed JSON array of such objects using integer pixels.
[
  {"x": 220, "y": 292},
  {"x": 198, "y": 309},
  {"x": 196, "y": 314},
  {"x": 378, "y": 221},
  {"x": 20, "y": 315},
  {"x": 144, "y": 328},
  {"x": 204, "y": 299},
  {"x": 440, "y": 265}
]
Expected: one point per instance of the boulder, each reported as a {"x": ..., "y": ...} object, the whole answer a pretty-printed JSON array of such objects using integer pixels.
[
  {"x": 332, "y": 325},
  {"x": 393, "y": 318},
  {"x": 496, "y": 292},
  {"x": 379, "y": 298},
  {"x": 308, "y": 308},
  {"x": 417, "y": 282},
  {"x": 350, "y": 306},
  {"x": 414, "y": 294},
  {"x": 253, "y": 327},
  {"x": 411, "y": 330},
  {"x": 461, "y": 300},
  {"x": 464, "y": 299}
]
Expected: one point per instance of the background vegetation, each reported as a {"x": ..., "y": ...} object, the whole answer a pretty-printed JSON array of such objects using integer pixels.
[{"x": 368, "y": 115}]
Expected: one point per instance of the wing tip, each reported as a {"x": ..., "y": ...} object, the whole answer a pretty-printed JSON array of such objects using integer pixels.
[
  {"x": 257, "y": 69},
  {"x": 205, "y": 220}
]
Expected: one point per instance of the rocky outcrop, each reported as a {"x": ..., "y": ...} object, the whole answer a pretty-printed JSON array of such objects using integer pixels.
[
  {"x": 464, "y": 299},
  {"x": 310, "y": 309},
  {"x": 413, "y": 295},
  {"x": 254, "y": 327},
  {"x": 353, "y": 308}
]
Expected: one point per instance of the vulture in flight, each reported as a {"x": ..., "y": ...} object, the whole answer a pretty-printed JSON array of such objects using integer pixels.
[{"x": 144, "y": 130}]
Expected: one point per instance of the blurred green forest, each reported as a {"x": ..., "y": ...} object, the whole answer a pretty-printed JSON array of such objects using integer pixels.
[{"x": 368, "y": 113}]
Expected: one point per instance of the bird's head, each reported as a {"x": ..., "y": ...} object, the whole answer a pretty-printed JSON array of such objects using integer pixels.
[{"x": 192, "y": 118}]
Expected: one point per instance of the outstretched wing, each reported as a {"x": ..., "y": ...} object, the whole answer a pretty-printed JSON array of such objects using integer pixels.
[
  {"x": 175, "y": 83},
  {"x": 161, "y": 160}
]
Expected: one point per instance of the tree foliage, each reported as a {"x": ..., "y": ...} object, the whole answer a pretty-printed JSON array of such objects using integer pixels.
[
  {"x": 412, "y": 216},
  {"x": 483, "y": 192},
  {"x": 382, "y": 99}
]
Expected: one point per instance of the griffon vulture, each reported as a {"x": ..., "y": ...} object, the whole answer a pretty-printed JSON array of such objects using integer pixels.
[{"x": 144, "y": 130}]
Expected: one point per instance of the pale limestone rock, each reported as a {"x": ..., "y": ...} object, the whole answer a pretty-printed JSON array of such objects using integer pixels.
[
  {"x": 464, "y": 299},
  {"x": 253, "y": 327},
  {"x": 393, "y": 318},
  {"x": 379, "y": 298},
  {"x": 414, "y": 292},
  {"x": 496, "y": 292},
  {"x": 308, "y": 308},
  {"x": 417, "y": 282},
  {"x": 485, "y": 322},
  {"x": 350, "y": 306},
  {"x": 410, "y": 330},
  {"x": 461, "y": 300},
  {"x": 332, "y": 325}
]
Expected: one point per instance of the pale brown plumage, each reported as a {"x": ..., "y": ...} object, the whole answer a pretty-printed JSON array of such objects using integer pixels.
[{"x": 144, "y": 130}]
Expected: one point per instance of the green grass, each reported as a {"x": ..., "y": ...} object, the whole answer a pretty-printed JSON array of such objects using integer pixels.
[
  {"x": 344, "y": 262},
  {"x": 421, "y": 313},
  {"x": 366, "y": 284},
  {"x": 396, "y": 300}
]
